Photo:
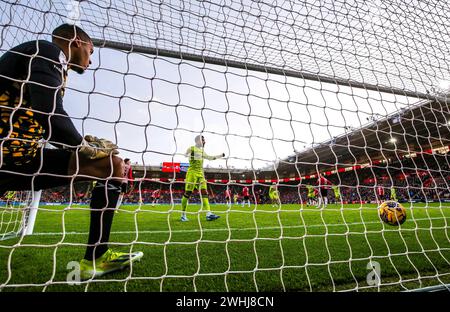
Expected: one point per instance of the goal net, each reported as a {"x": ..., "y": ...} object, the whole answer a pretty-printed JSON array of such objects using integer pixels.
[
  {"x": 355, "y": 92},
  {"x": 18, "y": 213}
]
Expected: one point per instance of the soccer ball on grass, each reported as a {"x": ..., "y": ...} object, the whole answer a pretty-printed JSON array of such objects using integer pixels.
[{"x": 392, "y": 212}]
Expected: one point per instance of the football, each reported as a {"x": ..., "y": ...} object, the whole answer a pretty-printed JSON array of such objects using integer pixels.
[{"x": 392, "y": 212}]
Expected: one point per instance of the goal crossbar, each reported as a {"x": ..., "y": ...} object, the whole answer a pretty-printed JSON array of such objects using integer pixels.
[{"x": 254, "y": 67}]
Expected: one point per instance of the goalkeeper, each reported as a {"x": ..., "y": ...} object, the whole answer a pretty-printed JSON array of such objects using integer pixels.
[
  {"x": 32, "y": 80},
  {"x": 195, "y": 178}
]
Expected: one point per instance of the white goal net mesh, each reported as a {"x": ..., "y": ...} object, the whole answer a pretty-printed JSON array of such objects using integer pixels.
[
  {"x": 13, "y": 213},
  {"x": 353, "y": 91}
]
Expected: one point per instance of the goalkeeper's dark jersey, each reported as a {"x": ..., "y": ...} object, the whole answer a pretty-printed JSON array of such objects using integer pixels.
[{"x": 32, "y": 79}]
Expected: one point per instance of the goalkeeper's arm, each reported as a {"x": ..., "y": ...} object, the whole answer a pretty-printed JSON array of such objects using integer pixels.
[
  {"x": 213, "y": 157},
  {"x": 46, "y": 98}
]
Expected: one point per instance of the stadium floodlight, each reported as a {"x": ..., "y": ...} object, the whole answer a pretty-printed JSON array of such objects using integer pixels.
[
  {"x": 444, "y": 86},
  {"x": 392, "y": 140},
  {"x": 441, "y": 88}
]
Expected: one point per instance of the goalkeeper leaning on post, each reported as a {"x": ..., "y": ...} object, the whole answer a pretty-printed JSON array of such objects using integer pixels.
[
  {"x": 32, "y": 81},
  {"x": 195, "y": 178}
]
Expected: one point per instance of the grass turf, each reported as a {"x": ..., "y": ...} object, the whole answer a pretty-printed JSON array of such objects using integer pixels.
[{"x": 259, "y": 248}]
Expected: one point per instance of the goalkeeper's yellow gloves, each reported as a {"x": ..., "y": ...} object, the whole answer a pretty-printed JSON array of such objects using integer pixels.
[
  {"x": 95, "y": 148},
  {"x": 219, "y": 156}
]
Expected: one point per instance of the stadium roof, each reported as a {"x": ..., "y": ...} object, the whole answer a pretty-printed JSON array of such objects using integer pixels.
[{"x": 421, "y": 129}]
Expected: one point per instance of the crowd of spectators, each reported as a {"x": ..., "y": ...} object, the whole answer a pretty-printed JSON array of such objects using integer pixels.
[{"x": 411, "y": 179}]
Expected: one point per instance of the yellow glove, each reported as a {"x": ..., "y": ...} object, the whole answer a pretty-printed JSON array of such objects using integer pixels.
[{"x": 95, "y": 148}]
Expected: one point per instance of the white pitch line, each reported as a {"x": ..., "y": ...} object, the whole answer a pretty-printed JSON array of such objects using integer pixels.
[{"x": 231, "y": 229}]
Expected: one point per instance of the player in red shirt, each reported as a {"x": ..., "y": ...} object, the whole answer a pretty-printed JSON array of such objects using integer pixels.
[
  {"x": 246, "y": 195},
  {"x": 127, "y": 181},
  {"x": 156, "y": 195},
  {"x": 324, "y": 185},
  {"x": 228, "y": 196},
  {"x": 379, "y": 193}
]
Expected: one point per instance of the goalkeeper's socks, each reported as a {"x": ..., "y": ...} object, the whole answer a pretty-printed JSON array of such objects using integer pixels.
[
  {"x": 184, "y": 202},
  {"x": 104, "y": 195},
  {"x": 205, "y": 202}
]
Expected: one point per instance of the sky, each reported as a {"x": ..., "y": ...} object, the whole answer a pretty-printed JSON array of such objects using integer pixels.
[{"x": 153, "y": 107}]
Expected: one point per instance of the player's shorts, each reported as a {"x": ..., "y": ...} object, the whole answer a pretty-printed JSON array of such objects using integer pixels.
[
  {"x": 228, "y": 198},
  {"x": 246, "y": 197},
  {"x": 195, "y": 180},
  {"x": 311, "y": 196},
  {"x": 51, "y": 173},
  {"x": 273, "y": 197},
  {"x": 324, "y": 192},
  {"x": 125, "y": 188}
]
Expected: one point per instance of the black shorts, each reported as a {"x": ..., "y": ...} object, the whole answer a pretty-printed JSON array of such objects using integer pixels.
[
  {"x": 324, "y": 192},
  {"x": 125, "y": 188},
  {"x": 246, "y": 197},
  {"x": 48, "y": 169}
]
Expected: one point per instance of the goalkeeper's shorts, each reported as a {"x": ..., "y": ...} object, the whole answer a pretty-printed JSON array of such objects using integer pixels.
[
  {"x": 36, "y": 176},
  {"x": 195, "y": 180}
]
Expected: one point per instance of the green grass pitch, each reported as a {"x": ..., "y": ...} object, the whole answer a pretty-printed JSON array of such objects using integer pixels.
[{"x": 295, "y": 248}]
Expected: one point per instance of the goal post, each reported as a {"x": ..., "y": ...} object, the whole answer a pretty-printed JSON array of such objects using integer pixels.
[
  {"x": 101, "y": 43},
  {"x": 32, "y": 214},
  {"x": 18, "y": 213}
]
